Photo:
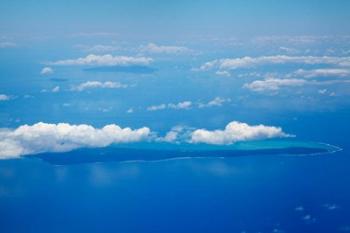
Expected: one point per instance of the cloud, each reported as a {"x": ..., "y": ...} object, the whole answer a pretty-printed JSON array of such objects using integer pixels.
[
  {"x": 104, "y": 60},
  {"x": 63, "y": 137},
  {"x": 315, "y": 73},
  {"x": 7, "y": 44},
  {"x": 4, "y": 97},
  {"x": 154, "y": 48},
  {"x": 46, "y": 71},
  {"x": 97, "y": 84},
  {"x": 99, "y": 48},
  {"x": 216, "y": 102},
  {"x": 55, "y": 89},
  {"x": 236, "y": 131},
  {"x": 273, "y": 84},
  {"x": 178, "y": 106},
  {"x": 248, "y": 62}
]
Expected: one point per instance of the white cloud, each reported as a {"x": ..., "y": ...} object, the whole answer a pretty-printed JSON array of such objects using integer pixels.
[
  {"x": 55, "y": 89},
  {"x": 104, "y": 60},
  {"x": 46, "y": 71},
  {"x": 235, "y": 132},
  {"x": 247, "y": 62},
  {"x": 273, "y": 84},
  {"x": 62, "y": 137},
  {"x": 4, "y": 97},
  {"x": 7, "y": 44},
  {"x": 97, "y": 84},
  {"x": 178, "y": 106},
  {"x": 216, "y": 102},
  {"x": 99, "y": 48},
  {"x": 130, "y": 110},
  {"x": 335, "y": 72},
  {"x": 154, "y": 48}
]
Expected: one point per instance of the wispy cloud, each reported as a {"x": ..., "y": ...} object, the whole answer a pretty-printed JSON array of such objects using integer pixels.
[
  {"x": 98, "y": 84},
  {"x": 273, "y": 84},
  {"x": 325, "y": 72},
  {"x": 216, "y": 102},
  {"x": 177, "y": 106},
  {"x": 104, "y": 60},
  {"x": 168, "y": 49},
  {"x": 249, "y": 62}
]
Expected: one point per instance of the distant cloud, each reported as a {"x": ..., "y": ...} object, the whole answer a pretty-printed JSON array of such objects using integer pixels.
[
  {"x": 62, "y": 137},
  {"x": 104, "y": 60},
  {"x": 236, "y": 131},
  {"x": 55, "y": 89},
  {"x": 216, "y": 102},
  {"x": 228, "y": 64},
  {"x": 178, "y": 106},
  {"x": 97, "y": 84},
  {"x": 154, "y": 48},
  {"x": 46, "y": 71},
  {"x": 4, "y": 97},
  {"x": 331, "y": 206},
  {"x": 273, "y": 84},
  {"x": 99, "y": 48},
  {"x": 7, "y": 44},
  {"x": 330, "y": 72}
]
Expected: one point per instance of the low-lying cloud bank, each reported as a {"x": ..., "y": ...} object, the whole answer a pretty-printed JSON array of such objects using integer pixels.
[
  {"x": 236, "y": 131},
  {"x": 62, "y": 137},
  {"x": 104, "y": 60}
]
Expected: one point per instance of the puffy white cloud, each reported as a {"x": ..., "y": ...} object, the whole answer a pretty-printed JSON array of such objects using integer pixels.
[
  {"x": 330, "y": 72},
  {"x": 154, "y": 48},
  {"x": 46, "y": 71},
  {"x": 246, "y": 62},
  {"x": 273, "y": 84},
  {"x": 104, "y": 60},
  {"x": 62, "y": 137},
  {"x": 216, "y": 102},
  {"x": 236, "y": 131},
  {"x": 178, "y": 106},
  {"x": 4, "y": 97},
  {"x": 97, "y": 84}
]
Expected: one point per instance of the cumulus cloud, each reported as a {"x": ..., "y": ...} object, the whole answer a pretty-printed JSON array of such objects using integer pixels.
[
  {"x": 104, "y": 60},
  {"x": 63, "y": 137},
  {"x": 154, "y": 48},
  {"x": 178, "y": 106},
  {"x": 4, "y": 97},
  {"x": 273, "y": 84},
  {"x": 216, "y": 102},
  {"x": 97, "y": 84},
  {"x": 46, "y": 71},
  {"x": 236, "y": 131},
  {"x": 248, "y": 62},
  {"x": 335, "y": 72}
]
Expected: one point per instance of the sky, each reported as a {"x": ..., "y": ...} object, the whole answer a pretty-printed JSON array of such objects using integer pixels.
[{"x": 195, "y": 71}]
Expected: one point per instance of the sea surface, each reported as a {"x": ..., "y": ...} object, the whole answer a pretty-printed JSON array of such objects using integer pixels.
[{"x": 248, "y": 193}]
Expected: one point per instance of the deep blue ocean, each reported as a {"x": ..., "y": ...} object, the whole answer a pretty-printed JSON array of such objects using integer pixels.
[{"x": 269, "y": 193}]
